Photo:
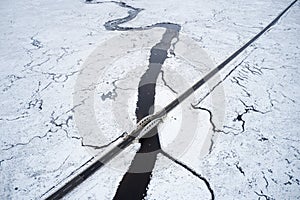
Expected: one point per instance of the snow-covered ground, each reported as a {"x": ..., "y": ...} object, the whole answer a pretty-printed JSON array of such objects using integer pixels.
[{"x": 255, "y": 112}]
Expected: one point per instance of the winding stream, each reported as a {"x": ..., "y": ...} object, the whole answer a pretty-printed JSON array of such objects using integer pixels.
[{"x": 135, "y": 181}]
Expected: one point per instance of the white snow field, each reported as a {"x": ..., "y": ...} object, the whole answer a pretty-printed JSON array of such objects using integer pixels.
[{"x": 242, "y": 138}]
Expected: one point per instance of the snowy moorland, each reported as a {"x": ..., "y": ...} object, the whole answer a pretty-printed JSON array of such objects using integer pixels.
[{"x": 238, "y": 133}]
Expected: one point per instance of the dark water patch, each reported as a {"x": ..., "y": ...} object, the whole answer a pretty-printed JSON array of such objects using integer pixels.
[{"x": 135, "y": 181}]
